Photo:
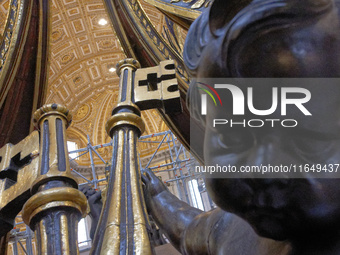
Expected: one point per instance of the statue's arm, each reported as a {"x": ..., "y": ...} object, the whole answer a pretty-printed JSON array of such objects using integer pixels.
[
  {"x": 95, "y": 202},
  {"x": 186, "y": 227},
  {"x": 195, "y": 232}
]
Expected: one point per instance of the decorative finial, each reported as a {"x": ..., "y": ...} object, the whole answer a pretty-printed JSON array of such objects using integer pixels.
[
  {"x": 127, "y": 62},
  {"x": 52, "y": 109}
]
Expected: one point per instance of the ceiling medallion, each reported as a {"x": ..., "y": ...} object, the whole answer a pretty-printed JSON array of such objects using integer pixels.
[
  {"x": 82, "y": 113},
  {"x": 57, "y": 35},
  {"x": 106, "y": 44},
  {"x": 78, "y": 80},
  {"x": 67, "y": 58}
]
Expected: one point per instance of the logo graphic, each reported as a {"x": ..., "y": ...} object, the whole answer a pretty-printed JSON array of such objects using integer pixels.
[
  {"x": 280, "y": 97},
  {"x": 204, "y": 97}
]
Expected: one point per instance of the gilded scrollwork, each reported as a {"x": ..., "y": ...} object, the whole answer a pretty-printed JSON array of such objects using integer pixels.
[
  {"x": 185, "y": 9},
  {"x": 195, "y": 4},
  {"x": 8, "y": 32}
]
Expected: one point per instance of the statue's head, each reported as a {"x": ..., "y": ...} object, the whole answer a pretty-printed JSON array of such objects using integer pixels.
[
  {"x": 284, "y": 205},
  {"x": 273, "y": 38}
]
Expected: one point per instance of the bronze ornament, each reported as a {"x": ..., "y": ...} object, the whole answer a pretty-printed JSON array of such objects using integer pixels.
[
  {"x": 18, "y": 171},
  {"x": 56, "y": 202},
  {"x": 124, "y": 225},
  {"x": 54, "y": 197}
]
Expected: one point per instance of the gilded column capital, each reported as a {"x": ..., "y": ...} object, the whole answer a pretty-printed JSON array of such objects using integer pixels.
[
  {"x": 56, "y": 200},
  {"x": 52, "y": 109},
  {"x": 52, "y": 198},
  {"x": 124, "y": 118},
  {"x": 128, "y": 62}
]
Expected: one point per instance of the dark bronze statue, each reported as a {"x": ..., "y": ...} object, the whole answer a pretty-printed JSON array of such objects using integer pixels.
[
  {"x": 94, "y": 199},
  {"x": 267, "y": 38}
]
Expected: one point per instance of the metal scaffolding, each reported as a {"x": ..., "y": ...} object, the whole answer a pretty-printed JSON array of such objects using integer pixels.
[{"x": 170, "y": 161}]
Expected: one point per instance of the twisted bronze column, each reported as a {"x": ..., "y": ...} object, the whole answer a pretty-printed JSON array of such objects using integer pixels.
[
  {"x": 123, "y": 228},
  {"x": 56, "y": 204},
  {"x": 124, "y": 225}
]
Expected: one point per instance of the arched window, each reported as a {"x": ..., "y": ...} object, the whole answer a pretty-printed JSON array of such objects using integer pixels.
[{"x": 72, "y": 146}]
